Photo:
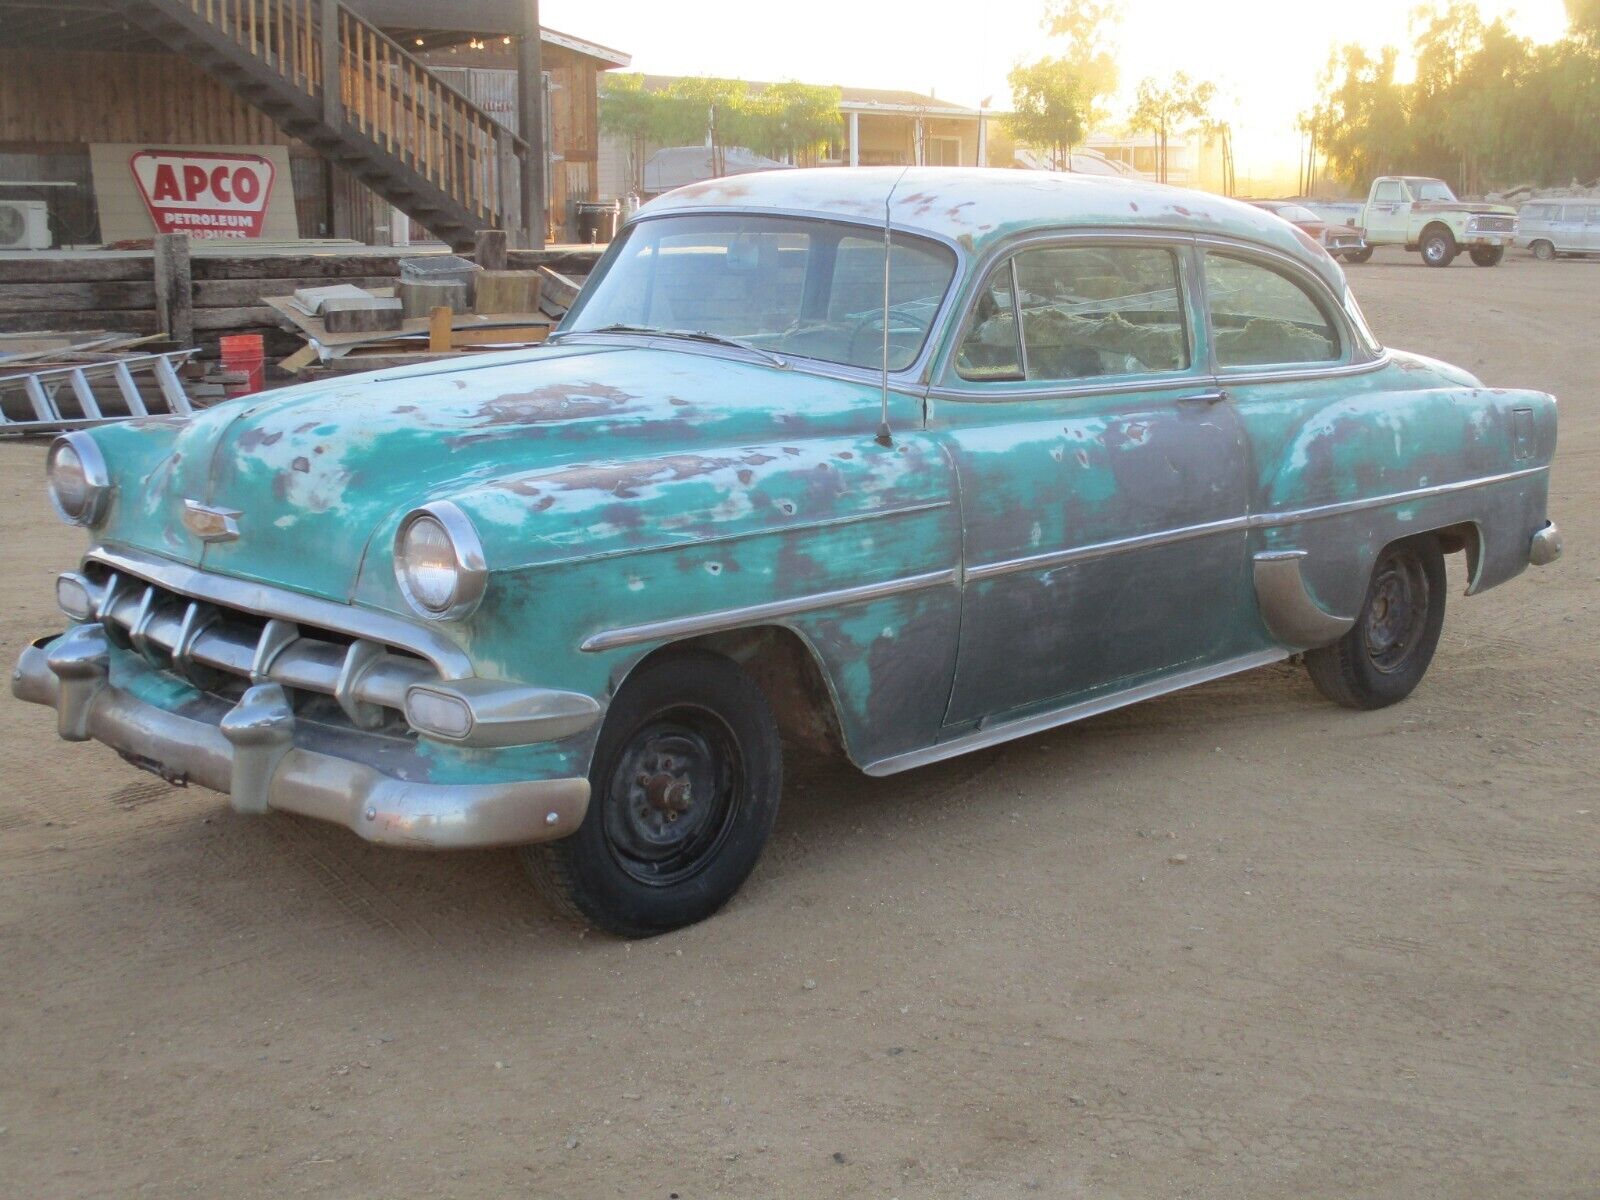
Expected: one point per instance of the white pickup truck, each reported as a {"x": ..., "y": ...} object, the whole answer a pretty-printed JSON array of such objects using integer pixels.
[{"x": 1424, "y": 214}]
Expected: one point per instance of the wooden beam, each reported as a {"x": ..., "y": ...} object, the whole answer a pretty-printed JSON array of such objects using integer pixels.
[
  {"x": 490, "y": 253},
  {"x": 530, "y": 122},
  {"x": 174, "y": 287},
  {"x": 69, "y": 297}
]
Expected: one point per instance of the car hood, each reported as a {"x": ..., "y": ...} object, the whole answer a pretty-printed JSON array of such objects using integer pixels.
[
  {"x": 1462, "y": 206},
  {"x": 318, "y": 473}
]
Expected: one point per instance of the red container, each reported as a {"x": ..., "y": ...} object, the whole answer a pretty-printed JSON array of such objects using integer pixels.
[{"x": 244, "y": 353}]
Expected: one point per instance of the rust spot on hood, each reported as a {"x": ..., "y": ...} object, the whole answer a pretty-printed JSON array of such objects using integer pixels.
[{"x": 555, "y": 402}]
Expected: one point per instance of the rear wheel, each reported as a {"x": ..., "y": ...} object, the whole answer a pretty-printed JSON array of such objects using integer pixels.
[
  {"x": 1387, "y": 652},
  {"x": 1438, "y": 247},
  {"x": 1358, "y": 256},
  {"x": 1544, "y": 251},
  {"x": 1488, "y": 256},
  {"x": 684, "y": 791}
]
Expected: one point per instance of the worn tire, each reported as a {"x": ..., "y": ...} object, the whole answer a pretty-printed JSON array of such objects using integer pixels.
[
  {"x": 698, "y": 722},
  {"x": 1488, "y": 256},
  {"x": 1358, "y": 256},
  {"x": 1386, "y": 653},
  {"x": 1543, "y": 250},
  {"x": 1438, "y": 247}
]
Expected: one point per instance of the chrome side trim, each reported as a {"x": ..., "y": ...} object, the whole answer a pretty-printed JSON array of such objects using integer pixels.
[
  {"x": 982, "y": 739},
  {"x": 1291, "y": 615},
  {"x": 1318, "y": 511},
  {"x": 378, "y": 807},
  {"x": 263, "y": 600},
  {"x": 733, "y": 618},
  {"x": 1144, "y": 541},
  {"x": 1265, "y": 520}
]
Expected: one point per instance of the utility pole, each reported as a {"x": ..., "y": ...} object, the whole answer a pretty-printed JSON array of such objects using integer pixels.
[{"x": 530, "y": 123}]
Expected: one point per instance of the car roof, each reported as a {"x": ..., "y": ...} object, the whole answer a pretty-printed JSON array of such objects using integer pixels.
[{"x": 975, "y": 207}]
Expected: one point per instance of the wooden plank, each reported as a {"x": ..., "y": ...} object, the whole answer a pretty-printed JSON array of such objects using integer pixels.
[
  {"x": 212, "y": 320},
  {"x": 559, "y": 288},
  {"x": 233, "y": 293},
  {"x": 507, "y": 292},
  {"x": 439, "y": 329},
  {"x": 74, "y": 297},
  {"x": 121, "y": 321},
  {"x": 300, "y": 266},
  {"x": 60, "y": 269}
]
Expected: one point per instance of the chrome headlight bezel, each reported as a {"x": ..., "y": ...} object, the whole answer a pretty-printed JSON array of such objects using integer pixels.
[
  {"x": 96, "y": 478},
  {"x": 471, "y": 571}
]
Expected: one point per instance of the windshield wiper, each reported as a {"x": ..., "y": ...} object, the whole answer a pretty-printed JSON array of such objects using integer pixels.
[{"x": 693, "y": 335}]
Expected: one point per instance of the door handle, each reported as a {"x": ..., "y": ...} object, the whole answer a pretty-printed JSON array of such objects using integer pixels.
[{"x": 1216, "y": 396}]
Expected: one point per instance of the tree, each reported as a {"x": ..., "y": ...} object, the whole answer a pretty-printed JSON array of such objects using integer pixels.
[
  {"x": 1165, "y": 110},
  {"x": 1051, "y": 104},
  {"x": 721, "y": 100},
  {"x": 645, "y": 118},
  {"x": 793, "y": 120},
  {"x": 1086, "y": 27}
]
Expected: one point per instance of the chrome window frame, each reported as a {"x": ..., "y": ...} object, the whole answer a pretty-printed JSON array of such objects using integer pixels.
[
  {"x": 947, "y": 383},
  {"x": 1355, "y": 357}
]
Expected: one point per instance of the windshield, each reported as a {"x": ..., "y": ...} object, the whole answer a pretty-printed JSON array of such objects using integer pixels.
[
  {"x": 1430, "y": 189},
  {"x": 1297, "y": 214},
  {"x": 789, "y": 285}
]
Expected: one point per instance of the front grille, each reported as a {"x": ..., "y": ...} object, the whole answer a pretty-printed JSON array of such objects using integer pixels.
[
  {"x": 1493, "y": 224},
  {"x": 221, "y": 650}
]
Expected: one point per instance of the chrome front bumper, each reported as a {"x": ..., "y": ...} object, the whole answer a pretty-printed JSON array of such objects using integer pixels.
[
  {"x": 252, "y": 756},
  {"x": 1546, "y": 546}
]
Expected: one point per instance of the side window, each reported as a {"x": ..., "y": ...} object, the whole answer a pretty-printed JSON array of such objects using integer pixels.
[
  {"x": 990, "y": 351},
  {"x": 1388, "y": 192},
  {"x": 1260, "y": 317},
  {"x": 1092, "y": 311}
]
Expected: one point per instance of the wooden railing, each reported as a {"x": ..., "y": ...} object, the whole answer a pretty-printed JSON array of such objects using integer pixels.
[{"x": 384, "y": 93}]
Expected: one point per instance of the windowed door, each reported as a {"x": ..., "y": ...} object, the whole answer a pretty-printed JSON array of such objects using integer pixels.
[
  {"x": 1103, "y": 480},
  {"x": 1389, "y": 211}
]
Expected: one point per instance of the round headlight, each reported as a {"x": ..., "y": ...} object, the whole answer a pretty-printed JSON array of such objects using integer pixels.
[
  {"x": 439, "y": 561},
  {"x": 77, "y": 479}
]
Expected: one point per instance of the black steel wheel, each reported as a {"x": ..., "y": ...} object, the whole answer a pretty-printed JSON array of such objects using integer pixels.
[
  {"x": 1385, "y": 654},
  {"x": 684, "y": 790},
  {"x": 1438, "y": 248},
  {"x": 1358, "y": 256},
  {"x": 1488, "y": 256}
]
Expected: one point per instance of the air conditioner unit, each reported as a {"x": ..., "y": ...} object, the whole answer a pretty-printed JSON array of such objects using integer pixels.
[{"x": 24, "y": 225}]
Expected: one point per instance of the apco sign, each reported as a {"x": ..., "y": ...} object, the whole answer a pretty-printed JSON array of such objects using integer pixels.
[{"x": 204, "y": 195}]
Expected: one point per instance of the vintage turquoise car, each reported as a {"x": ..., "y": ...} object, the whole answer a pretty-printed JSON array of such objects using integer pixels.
[{"x": 898, "y": 463}]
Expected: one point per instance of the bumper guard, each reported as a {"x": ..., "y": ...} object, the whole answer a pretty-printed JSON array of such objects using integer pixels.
[{"x": 252, "y": 757}]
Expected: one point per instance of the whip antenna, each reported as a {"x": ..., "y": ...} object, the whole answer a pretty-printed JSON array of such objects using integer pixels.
[{"x": 884, "y": 437}]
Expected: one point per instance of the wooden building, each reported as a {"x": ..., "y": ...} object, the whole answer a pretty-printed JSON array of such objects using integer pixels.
[{"x": 390, "y": 130}]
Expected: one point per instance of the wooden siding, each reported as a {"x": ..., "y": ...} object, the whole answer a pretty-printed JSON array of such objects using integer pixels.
[{"x": 84, "y": 96}]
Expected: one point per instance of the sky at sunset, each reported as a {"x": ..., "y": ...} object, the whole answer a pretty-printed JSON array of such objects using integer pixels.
[{"x": 1263, "y": 55}]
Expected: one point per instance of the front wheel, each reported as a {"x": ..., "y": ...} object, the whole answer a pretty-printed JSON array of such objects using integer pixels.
[
  {"x": 1358, "y": 256},
  {"x": 1438, "y": 248},
  {"x": 1488, "y": 256},
  {"x": 1387, "y": 652},
  {"x": 684, "y": 791},
  {"x": 1544, "y": 251}
]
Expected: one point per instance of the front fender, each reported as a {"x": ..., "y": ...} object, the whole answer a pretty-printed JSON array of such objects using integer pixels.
[{"x": 851, "y": 544}]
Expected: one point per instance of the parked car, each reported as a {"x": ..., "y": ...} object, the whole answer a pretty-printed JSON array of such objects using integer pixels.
[
  {"x": 1424, "y": 215},
  {"x": 1086, "y": 441},
  {"x": 1552, "y": 227},
  {"x": 1341, "y": 241}
]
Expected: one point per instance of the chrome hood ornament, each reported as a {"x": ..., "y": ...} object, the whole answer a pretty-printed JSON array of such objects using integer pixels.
[{"x": 211, "y": 524}]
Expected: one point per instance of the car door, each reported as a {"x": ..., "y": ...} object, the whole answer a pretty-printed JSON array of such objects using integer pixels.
[
  {"x": 1389, "y": 212},
  {"x": 1591, "y": 229},
  {"x": 1103, "y": 478}
]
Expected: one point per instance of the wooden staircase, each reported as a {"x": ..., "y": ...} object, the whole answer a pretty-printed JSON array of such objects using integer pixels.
[{"x": 329, "y": 77}]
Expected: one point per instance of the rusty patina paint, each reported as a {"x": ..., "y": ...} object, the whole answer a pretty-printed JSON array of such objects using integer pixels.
[{"x": 616, "y": 484}]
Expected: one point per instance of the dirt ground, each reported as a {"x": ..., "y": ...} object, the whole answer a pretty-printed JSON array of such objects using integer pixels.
[{"x": 1373, "y": 972}]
